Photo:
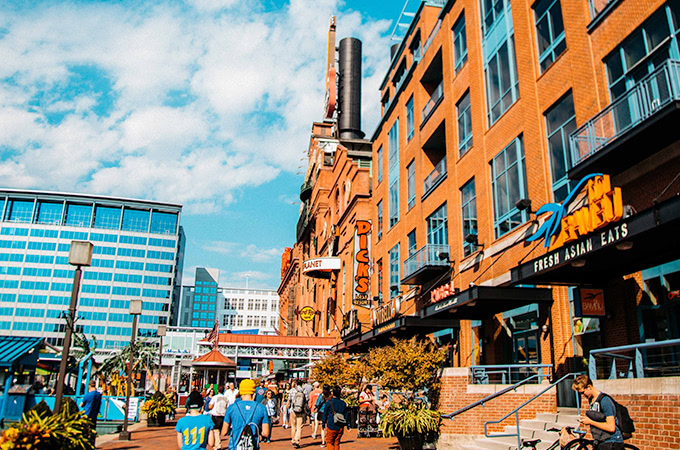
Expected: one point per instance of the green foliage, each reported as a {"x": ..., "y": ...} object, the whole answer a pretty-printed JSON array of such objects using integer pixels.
[
  {"x": 157, "y": 404},
  {"x": 42, "y": 409},
  {"x": 335, "y": 369},
  {"x": 68, "y": 430},
  {"x": 409, "y": 418},
  {"x": 144, "y": 351},
  {"x": 407, "y": 365}
]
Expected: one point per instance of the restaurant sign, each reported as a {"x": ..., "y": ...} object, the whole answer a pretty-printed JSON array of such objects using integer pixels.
[
  {"x": 362, "y": 257},
  {"x": 590, "y": 206},
  {"x": 382, "y": 314},
  {"x": 350, "y": 324},
  {"x": 307, "y": 313},
  {"x": 442, "y": 292},
  {"x": 589, "y": 302}
]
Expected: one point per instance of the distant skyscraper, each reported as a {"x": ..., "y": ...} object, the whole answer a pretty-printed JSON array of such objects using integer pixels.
[
  {"x": 236, "y": 309},
  {"x": 138, "y": 254}
]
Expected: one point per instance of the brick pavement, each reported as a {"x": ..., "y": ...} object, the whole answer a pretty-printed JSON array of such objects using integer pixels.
[{"x": 164, "y": 438}]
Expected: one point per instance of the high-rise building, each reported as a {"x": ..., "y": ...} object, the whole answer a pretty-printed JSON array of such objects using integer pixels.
[
  {"x": 138, "y": 254},
  {"x": 236, "y": 309}
]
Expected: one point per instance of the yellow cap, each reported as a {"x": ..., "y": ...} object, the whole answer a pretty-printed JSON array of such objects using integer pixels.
[{"x": 247, "y": 387}]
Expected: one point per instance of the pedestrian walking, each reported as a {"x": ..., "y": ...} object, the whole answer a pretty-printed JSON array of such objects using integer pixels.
[
  {"x": 218, "y": 408},
  {"x": 313, "y": 396},
  {"x": 206, "y": 401},
  {"x": 271, "y": 403},
  {"x": 334, "y": 414},
  {"x": 91, "y": 404},
  {"x": 246, "y": 419},
  {"x": 260, "y": 392},
  {"x": 298, "y": 412},
  {"x": 193, "y": 430},
  {"x": 230, "y": 393},
  {"x": 320, "y": 406},
  {"x": 285, "y": 405}
]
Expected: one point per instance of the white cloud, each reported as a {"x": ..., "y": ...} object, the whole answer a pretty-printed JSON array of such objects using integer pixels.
[
  {"x": 256, "y": 254},
  {"x": 188, "y": 103}
]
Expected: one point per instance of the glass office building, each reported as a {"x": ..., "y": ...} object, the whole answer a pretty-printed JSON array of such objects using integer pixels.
[{"x": 138, "y": 254}]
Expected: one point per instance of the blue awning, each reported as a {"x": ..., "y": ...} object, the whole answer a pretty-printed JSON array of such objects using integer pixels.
[{"x": 13, "y": 348}]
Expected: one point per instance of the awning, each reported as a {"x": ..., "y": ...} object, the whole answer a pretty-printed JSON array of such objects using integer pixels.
[
  {"x": 400, "y": 327},
  {"x": 479, "y": 302},
  {"x": 321, "y": 267},
  {"x": 640, "y": 241},
  {"x": 19, "y": 349}
]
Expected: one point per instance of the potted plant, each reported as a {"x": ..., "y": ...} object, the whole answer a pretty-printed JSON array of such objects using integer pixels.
[
  {"x": 414, "y": 424},
  {"x": 156, "y": 408}
]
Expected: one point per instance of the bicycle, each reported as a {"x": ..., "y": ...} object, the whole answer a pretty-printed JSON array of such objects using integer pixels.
[{"x": 575, "y": 444}]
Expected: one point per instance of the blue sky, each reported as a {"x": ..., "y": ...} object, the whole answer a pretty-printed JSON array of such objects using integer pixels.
[{"x": 207, "y": 103}]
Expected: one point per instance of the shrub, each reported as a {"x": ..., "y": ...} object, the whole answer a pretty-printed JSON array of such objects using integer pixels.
[{"x": 157, "y": 404}]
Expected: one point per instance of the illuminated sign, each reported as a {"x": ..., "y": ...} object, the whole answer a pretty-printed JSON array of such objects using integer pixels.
[
  {"x": 319, "y": 266},
  {"x": 350, "y": 324},
  {"x": 362, "y": 258},
  {"x": 443, "y": 291},
  {"x": 580, "y": 213},
  {"x": 307, "y": 313}
]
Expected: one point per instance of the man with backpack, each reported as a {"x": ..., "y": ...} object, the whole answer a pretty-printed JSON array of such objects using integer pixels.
[
  {"x": 604, "y": 415},
  {"x": 246, "y": 419},
  {"x": 298, "y": 410},
  {"x": 334, "y": 419}
]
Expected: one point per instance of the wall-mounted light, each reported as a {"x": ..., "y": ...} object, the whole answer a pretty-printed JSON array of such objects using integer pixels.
[
  {"x": 578, "y": 263},
  {"x": 625, "y": 245},
  {"x": 472, "y": 239},
  {"x": 544, "y": 328},
  {"x": 444, "y": 256},
  {"x": 524, "y": 204}
]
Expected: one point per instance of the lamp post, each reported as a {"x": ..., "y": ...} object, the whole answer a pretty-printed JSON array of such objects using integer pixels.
[
  {"x": 160, "y": 333},
  {"x": 135, "y": 311},
  {"x": 79, "y": 255}
]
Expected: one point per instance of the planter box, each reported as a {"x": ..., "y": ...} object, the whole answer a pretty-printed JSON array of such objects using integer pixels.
[{"x": 158, "y": 421}]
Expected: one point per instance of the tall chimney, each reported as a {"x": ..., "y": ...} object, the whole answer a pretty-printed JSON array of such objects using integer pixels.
[{"x": 349, "y": 89}]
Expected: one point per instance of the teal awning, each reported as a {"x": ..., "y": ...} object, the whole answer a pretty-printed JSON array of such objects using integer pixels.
[{"x": 14, "y": 348}]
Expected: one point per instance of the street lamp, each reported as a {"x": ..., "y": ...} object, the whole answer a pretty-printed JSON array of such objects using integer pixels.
[
  {"x": 135, "y": 311},
  {"x": 160, "y": 333},
  {"x": 79, "y": 255}
]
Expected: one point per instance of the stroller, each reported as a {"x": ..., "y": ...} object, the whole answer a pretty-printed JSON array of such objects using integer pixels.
[{"x": 367, "y": 424}]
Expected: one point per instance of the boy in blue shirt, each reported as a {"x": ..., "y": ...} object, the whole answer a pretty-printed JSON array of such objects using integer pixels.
[
  {"x": 606, "y": 432},
  {"x": 91, "y": 404},
  {"x": 245, "y": 412},
  {"x": 193, "y": 430}
]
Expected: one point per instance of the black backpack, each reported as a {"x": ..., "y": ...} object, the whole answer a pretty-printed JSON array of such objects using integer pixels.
[
  {"x": 626, "y": 424},
  {"x": 247, "y": 440}
]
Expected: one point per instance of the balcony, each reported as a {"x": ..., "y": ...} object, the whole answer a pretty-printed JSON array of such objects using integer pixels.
[
  {"x": 305, "y": 191},
  {"x": 303, "y": 221},
  {"x": 434, "y": 178},
  {"x": 632, "y": 128},
  {"x": 433, "y": 102},
  {"x": 425, "y": 264}
]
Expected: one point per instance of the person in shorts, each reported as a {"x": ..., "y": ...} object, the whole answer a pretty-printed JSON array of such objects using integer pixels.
[{"x": 218, "y": 407}]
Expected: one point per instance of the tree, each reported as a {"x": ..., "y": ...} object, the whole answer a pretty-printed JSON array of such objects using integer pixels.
[
  {"x": 336, "y": 369},
  {"x": 146, "y": 354}
]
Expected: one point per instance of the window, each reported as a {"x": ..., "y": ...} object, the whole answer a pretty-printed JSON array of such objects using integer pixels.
[
  {"x": 78, "y": 215},
  {"x": 549, "y": 31},
  {"x": 508, "y": 183},
  {"x": 49, "y": 213},
  {"x": 380, "y": 279},
  {"x": 107, "y": 217},
  {"x": 459, "y": 44},
  {"x": 468, "y": 200},
  {"x": 380, "y": 219},
  {"x": 19, "y": 211},
  {"x": 135, "y": 220},
  {"x": 411, "y": 184},
  {"x": 437, "y": 227},
  {"x": 379, "y": 169},
  {"x": 395, "y": 276},
  {"x": 560, "y": 123},
  {"x": 492, "y": 12},
  {"x": 393, "y": 174},
  {"x": 464, "y": 124},
  {"x": 409, "y": 120},
  {"x": 501, "y": 80},
  {"x": 163, "y": 223},
  {"x": 412, "y": 246}
]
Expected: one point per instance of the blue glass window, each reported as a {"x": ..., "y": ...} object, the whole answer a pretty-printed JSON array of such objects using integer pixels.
[
  {"x": 508, "y": 182},
  {"x": 19, "y": 211},
  {"x": 412, "y": 245},
  {"x": 409, "y": 119},
  {"x": 163, "y": 223},
  {"x": 549, "y": 31},
  {"x": 49, "y": 213},
  {"x": 411, "y": 184},
  {"x": 380, "y": 219},
  {"x": 379, "y": 169},
  {"x": 459, "y": 43},
  {"x": 464, "y": 124},
  {"x": 468, "y": 198},
  {"x": 560, "y": 123},
  {"x": 135, "y": 220},
  {"x": 107, "y": 217},
  {"x": 395, "y": 274},
  {"x": 393, "y": 174},
  {"x": 78, "y": 215},
  {"x": 501, "y": 81},
  {"x": 437, "y": 227}
]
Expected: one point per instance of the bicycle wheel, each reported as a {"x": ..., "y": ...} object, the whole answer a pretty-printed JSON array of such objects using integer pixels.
[
  {"x": 630, "y": 447},
  {"x": 579, "y": 444}
]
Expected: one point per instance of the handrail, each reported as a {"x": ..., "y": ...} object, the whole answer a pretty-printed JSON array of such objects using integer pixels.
[
  {"x": 507, "y": 369},
  {"x": 611, "y": 352},
  {"x": 487, "y": 398},
  {"x": 516, "y": 410}
]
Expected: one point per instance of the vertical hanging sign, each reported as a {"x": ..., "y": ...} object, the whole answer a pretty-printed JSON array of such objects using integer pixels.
[{"x": 362, "y": 257}]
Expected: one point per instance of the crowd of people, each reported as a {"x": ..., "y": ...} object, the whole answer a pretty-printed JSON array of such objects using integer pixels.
[{"x": 242, "y": 418}]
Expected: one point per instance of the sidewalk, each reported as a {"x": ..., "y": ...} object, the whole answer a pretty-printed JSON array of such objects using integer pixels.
[{"x": 165, "y": 438}]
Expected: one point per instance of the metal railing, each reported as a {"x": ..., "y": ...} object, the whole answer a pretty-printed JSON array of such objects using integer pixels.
[
  {"x": 516, "y": 411},
  {"x": 433, "y": 178},
  {"x": 646, "y": 98},
  {"x": 651, "y": 359},
  {"x": 432, "y": 103},
  {"x": 426, "y": 256},
  {"x": 431, "y": 36},
  {"x": 508, "y": 373}
]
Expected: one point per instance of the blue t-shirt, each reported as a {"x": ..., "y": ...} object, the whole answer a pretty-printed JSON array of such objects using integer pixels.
[
  {"x": 606, "y": 406},
  {"x": 259, "y": 394},
  {"x": 92, "y": 403},
  {"x": 334, "y": 405},
  {"x": 195, "y": 431},
  {"x": 240, "y": 413}
]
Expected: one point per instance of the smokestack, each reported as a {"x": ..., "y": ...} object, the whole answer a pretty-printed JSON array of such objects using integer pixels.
[{"x": 349, "y": 89}]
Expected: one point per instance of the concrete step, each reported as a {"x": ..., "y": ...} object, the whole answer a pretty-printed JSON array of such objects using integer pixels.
[{"x": 529, "y": 433}]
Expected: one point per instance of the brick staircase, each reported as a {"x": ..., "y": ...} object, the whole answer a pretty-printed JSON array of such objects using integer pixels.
[{"x": 530, "y": 429}]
